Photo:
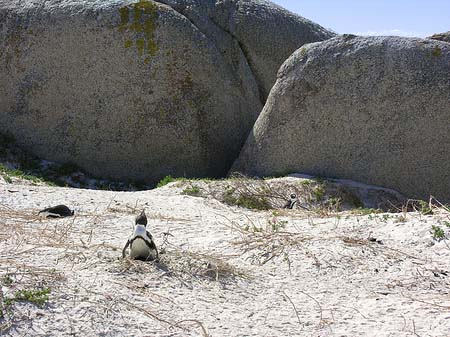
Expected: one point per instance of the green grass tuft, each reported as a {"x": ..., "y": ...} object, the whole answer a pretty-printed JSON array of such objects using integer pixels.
[
  {"x": 366, "y": 211},
  {"x": 7, "y": 280},
  {"x": 319, "y": 192},
  {"x": 246, "y": 200},
  {"x": 437, "y": 232},
  {"x": 8, "y": 173},
  {"x": 35, "y": 296},
  {"x": 424, "y": 208},
  {"x": 437, "y": 52},
  {"x": 166, "y": 180},
  {"x": 192, "y": 190}
]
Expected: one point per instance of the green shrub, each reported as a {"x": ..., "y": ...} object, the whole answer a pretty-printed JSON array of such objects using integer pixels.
[
  {"x": 166, "y": 180},
  {"x": 35, "y": 296},
  {"x": 38, "y": 296},
  {"x": 424, "y": 208},
  {"x": 437, "y": 232},
  {"x": 248, "y": 201},
  {"x": 192, "y": 190}
]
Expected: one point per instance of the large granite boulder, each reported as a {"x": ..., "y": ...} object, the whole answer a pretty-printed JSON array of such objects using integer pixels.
[
  {"x": 266, "y": 33},
  {"x": 441, "y": 37},
  {"x": 140, "y": 89},
  {"x": 370, "y": 109}
]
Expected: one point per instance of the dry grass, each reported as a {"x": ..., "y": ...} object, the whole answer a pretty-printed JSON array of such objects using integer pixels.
[
  {"x": 262, "y": 194},
  {"x": 27, "y": 234},
  {"x": 195, "y": 265},
  {"x": 116, "y": 303},
  {"x": 20, "y": 277},
  {"x": 186, "y": 266},
  {"x": 264, "y": 241},
  {"x": 318, "y": 197},
  {"x": 267, "y": 241}
]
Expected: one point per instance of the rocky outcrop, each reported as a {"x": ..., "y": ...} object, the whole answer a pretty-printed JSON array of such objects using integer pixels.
[
  {"x": 370, "y": 109},
  {"x": 266, "y": 33},
  {"x": 441, "y": 37},
  {"x": 141, "y": 89}
]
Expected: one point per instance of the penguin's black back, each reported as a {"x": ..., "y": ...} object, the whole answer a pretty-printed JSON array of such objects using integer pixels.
[{"x": 59, "y": 210}]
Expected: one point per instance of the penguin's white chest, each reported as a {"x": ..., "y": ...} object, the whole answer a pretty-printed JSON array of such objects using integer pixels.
[
  {"x": 140, "y": 230},
  {"x": 139, "y": 249},
  {"x": 140, "y": 242}
]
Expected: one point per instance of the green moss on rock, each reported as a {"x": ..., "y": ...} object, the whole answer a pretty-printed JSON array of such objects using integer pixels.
[
  {"x": 128, "y": 43},
  {"x": 436, "y": 52},
  {"x": 124, "y": 18},
  {"x": 140, "y": 45}
]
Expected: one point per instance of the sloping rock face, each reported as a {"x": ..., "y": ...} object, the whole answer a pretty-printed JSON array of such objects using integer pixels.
[
  {"x": 266, "y": 33},
  {"x": 370, "y": 109},
  {"x": 139, "y": 89},
  {"x": 441, "y": 37}
]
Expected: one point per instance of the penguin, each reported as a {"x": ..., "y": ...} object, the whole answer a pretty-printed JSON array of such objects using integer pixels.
[
  {"x": 291, "y": 203},
  {"x": 142, "y": 246},
  {"x": 59, "y": 211}
]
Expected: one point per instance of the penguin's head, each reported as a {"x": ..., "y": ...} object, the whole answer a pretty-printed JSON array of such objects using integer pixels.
[{"x": 141, "y": 219}]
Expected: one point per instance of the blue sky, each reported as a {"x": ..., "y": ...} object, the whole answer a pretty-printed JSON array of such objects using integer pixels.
[{"x": 376, "y": 17}]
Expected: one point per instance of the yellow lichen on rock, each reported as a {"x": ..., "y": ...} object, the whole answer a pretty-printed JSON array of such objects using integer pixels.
[
  {"x": 436, "y": 52},
  {"x": 141, "y": 21}
]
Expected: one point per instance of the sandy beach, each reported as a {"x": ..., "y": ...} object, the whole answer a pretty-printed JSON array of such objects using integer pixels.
[{"x": 224, "y": 271}]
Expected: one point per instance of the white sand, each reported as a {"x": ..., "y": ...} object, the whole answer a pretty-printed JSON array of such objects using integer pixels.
[{"x": 327, "y": 279}]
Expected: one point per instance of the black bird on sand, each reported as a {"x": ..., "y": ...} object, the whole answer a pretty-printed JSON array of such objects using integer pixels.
[
  {"x": 59, "y": 211},
  {"x": 142, "y": 246}
]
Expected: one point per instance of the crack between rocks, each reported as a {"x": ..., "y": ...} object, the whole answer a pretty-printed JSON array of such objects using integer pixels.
[
  {"x": 182, "y": 14},
  {"x": 245, "y": 53},
  {"x": 242, "y": 48}
]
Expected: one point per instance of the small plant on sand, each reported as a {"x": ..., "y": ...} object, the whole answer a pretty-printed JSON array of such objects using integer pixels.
[
  {"x": 424, "y": 208},
  {"x": 385, "y": 217},
  {"x": 7, "y": 174},
  {"x": 366, "y": 211},
  {"x": 319, "y": 192},
  {"x": 267, "y": 240},
  {"x": 437, "y": 232},
  {"x": 244, "y": 192},
  {"x": 192, "y": 190},
  {"x": 277, "y": 225},
  {"x": 7, "y": 280},
  {"x": 334, "y": 204},
  {"x": 166, "y": 180},
  {"x": 446, "y": 224},
  {"x": 35, "y": 296},
  {"x": 248, "y": 201},
  {"x": 400, "y": 219},
  {"x": 169, "y": 179}
]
